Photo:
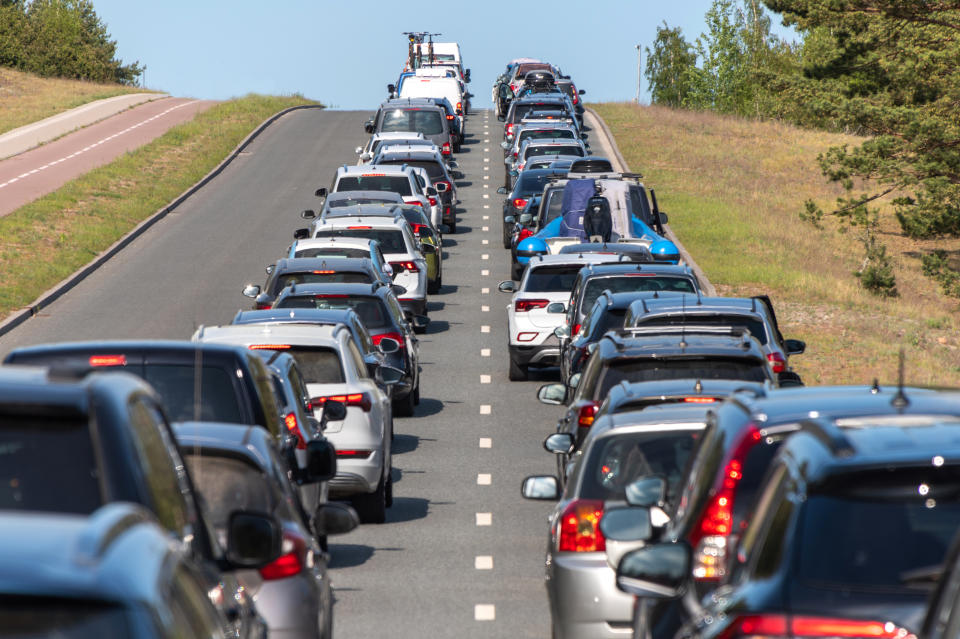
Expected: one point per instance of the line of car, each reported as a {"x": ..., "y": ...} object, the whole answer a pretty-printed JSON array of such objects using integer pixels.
[
  {"x": 198, "y": 480},
  {"x": 701, "y": 489}
]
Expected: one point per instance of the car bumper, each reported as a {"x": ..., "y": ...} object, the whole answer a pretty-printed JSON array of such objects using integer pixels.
[
  {"x": 546, "y": 354},
  {"x": 584, "y": 599},
  {"x": 293, "y": 607},
  {"x": 414, "y": 305}
]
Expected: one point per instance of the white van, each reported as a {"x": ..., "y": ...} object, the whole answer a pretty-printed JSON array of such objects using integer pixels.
[{"x": 427, "y": 87}]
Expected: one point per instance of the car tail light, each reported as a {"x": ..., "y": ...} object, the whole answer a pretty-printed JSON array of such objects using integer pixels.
[
  {"x": 432, "y": 200},
  {"x": 330, "y": 296},
  {"x": 353, "y": 454},
  {"x": 526, "y": 337},
  {"x": 576, "y": 329},
  {"x": 367, "y": 228},
  {"x": 324, "y": 272},
  {"x": 524, "y": 234},
  {"x": 519, "y": 202},
  {"x": 354, "y": 399},
  {"x": 418, "y": 227},
  {"x": 445, "y": 149},
  {"x": 449, "y": 117},
  {"x": 709, "y": 536},
  {"x": 777, "y": 362},
  {"x": 699, "y": 400},
  {"x": 293, "y": 555},
  {"x": 269, "y": 347},
  {"x": 447, "y": 211},
  {"x": 405, "y": 266},
  {"x": 580, "y": 527},
  {"x": 447, "y": 182},
  {"x": 522, "y": 306},
  {"x": 261, "y": 306},
  {"x": 394, "y": 336},
  {"x": 771, "y": 625},
  {"x": 587, "y": 414},
  {"x": 293, "y": 427},
  {"x": 108, "y": 360},
  {"x": 513, "y": 87},
  {"x": 459, "y": 106},
  {"x": 510, "y": 128}
]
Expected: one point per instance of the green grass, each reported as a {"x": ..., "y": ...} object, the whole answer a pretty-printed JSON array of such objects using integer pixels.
[
  {"x": 47, "y": 240},
  {"x": 733, "y": 189}
]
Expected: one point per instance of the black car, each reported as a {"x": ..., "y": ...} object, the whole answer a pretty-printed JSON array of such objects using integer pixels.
[
  {"x": 567, "y": 86},
  {"x": 849, "y": 521},
  {"x": 313, "y": 270},
  {"x": 529, "y": 183},
  {"x": 405, "y": 115},
  {"x": 592, "y": 164},
  {"x": 442, "y": 180},
  {"x": 606, "y": 314},
  {"x": 522, "y": 106},
  {"x": 943, "y": 612}
]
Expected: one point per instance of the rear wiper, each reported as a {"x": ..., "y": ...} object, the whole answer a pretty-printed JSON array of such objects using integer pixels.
[{"x": 923, "y": 575}]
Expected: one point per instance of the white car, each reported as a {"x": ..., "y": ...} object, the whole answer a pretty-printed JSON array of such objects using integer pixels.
[
  {"x": 408, "y": 182},
  {"x": 368, "y": 150},
  {"x": 333, "y": 368},
  {"x": 438, "y": 173},
  {"x": 431, "y": 87},
  {"x": 400, "y": 248},
  {"x": 538, "y": 308}
]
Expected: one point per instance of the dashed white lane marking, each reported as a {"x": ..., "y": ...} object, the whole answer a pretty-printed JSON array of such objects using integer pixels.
[
  {"x": 484, "y": 291},
  {"x": 486, "y": 159},
  {"x": 486, "y": 186},
  {"x": 484, "y": 479},
  {"x": 485, "y": 272},
  {"x": 485, "y": 256},
  {"x": 485, "y": 612},
  {"x": 485, "y": 242},
  {"x": 486, "y": 177},
  {"x": 486, "y": 206},
  {"x": 487, "y": 140},
  {"x": 486, "y": 442},
  {"x": 485, "y": 379},
  {"x": 485, "y": 408},
  {"x": 486, "y": 197},
  {"x": 483, "y": 562},
  {"x": 484, "y": 309},
  {"x": 486, "y": 228},
  {"x": 486, "y": 148},
  {"x": 484, "y": 329},
  {"x": 484, "y": 519},
  {"x": 92, "y": 146}
]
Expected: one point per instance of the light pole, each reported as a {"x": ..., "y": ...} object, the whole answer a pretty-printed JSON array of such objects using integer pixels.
[{"x": 639, "y": 54}]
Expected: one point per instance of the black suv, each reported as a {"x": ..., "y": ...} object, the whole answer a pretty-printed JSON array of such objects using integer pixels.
[{"x": 313, "y": 270}]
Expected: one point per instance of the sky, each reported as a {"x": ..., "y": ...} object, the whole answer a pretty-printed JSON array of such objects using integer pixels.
[{"x": 345, "y": 53}]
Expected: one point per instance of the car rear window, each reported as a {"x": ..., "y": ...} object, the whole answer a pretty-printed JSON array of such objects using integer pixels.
[
  {"x": 318, "y": 365},
  {"x": 657, "y": 369},
  {"x": 534, "y": 150},
  {"x": 616, "y": 461},
  {"x": 393, "y": 183},
  {"x": 546, "y": 134},
  {"x": 323, "y": 277},
  {"x": 554, "y": 206},
  {"x": 325, "y": 251},
  {"x": 391, "y": 240},
  {"x": 176, "y": 383},
  {"x": 611, "y": 320},
  {"x": 425, "y": 121},
  {"x": 48, "y": 465},
  {"x": 434, "y": 170},
  {"x": 551, "y": 279},
  {"x": 754, "y": 325},
  {"x": 635, "y": 282},
  {"x": 532, "y": 183},
  {"x": 227, "y": 485},
  {"x": 29, "y": 617},
  {"x": 370, "y": 309},
  {"x": 872, "y": 529},
  {"x": 521, "y": 110}
]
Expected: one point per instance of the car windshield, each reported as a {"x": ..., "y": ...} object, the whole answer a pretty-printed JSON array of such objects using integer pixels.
[
  {"x": 391, "y": 240},
  {"x": 33, "y": 617},
  {"x": 616, "y": 461},
  {"x": 873, "y": 529},
  {"x": 331, "y": 251},
  {"x": 425, "y": 121},
  {"x": 370, "y": 309},
  {"x": 534, "y": 150},
  {"x": 654, "y": 369},
  {"x": 754, "y": 325},
  {"x": 399, "y": 184},
  {"x": 551, "y": 279},
  {"x": 532, "y": 183},
  {"x": 30, "y": 448},
  {"x": 176, "y": 383},
  {"x": 227, "y": 485},
  {"x": 635, "y": 282},
  {"x": 434, "y": 170},
  {"x": 323, "y": 277}
]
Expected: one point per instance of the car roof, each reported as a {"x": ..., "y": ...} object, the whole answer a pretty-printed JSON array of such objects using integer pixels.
[
  {"x": 269, "y": 334},
  {"x": 348, "y": 242},
  {"x": 566, "y": 258},
  {"x": 398, "y": 135},
  {"x": 375, "y": 219},
  {"x": 293, "y": 315},
  {"x": 676, "y": 415},
  {"x": 705, "y": 305},
  {"x": 209, "y": 438},
  {"x": 409, "y": 103},
  {"x": 654, "y": 268},
  {"x": 379, "y": 209},
  {"x": 548, "y": 142},
  {"x": 332, "y": 288},
  {"x": 736, "y": 343},
  {"x": 408, "y": 153},
  {"x": 363, "y": 169},
  {"x": 337, "y": 196},
  {"x": 179, "y": 349}
]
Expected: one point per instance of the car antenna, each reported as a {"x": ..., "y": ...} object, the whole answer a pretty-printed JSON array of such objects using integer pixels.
[
  {"x": 683, "y": 321},
  {"x": 900, "y": 400},
  {"x": 197, "y": 381},
  {"x": 875, "y": 388},
  {"x": 698, "y": 387}
]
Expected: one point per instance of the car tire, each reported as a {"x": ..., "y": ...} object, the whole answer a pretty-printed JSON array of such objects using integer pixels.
[
  {"x": 416, "y": 394},
  {"x": 405, "y": 407},
  {"x": 517, "y": 373},
  {"x": 389, "y": 489},
  {"x": 372, "y": 507},
  {"x": 452, "y": 225},
  {"x": 324, "y": 545},
  {"x": 506, "y": 236},
  {"x": 433, "y": 287}
]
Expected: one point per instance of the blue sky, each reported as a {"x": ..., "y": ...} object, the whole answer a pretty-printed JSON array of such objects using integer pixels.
[{"x": 345, "y": 53}]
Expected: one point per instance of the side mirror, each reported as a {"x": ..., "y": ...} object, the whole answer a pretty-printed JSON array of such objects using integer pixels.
[
  {"x": 301, "y": 234},
  {"x": 504, "y": 145},
  {"x": 251, "y": 290},
  {"x": 562, "y": 332},
  {"x": 626, "y": 524},
  {"x": 399, "y": 289},
  {"x": 663, "y": 217},
  {"x": 556, "y": 308},
  {"x": 659, "y": 571},
  {"x": 428, "y": 249},
  {"x": 507, "y": 160},
  {"x": 321, "y": 462},
  {"x": 388, "y": 345},
  {"x": 388, "y": 375},
  {"x": 391, "y": 89},
  {"x": 388, "y": 269},
  {"x": 510, "y": 219},
  {"x": 794, "y": 346},
  {"x": 507, "y": 286},
  {"x": 545, "y": 487},
  {"x": 366, "y": 157},
  {"x": 442, "y": 187},
  {"x": 646, "y": 492},
  {"x": 555, "y": 394},
  {"x": 359, "y": 150},
  {"x": 321, "y": 192},
  {"x": 526, "y": 218},
  {"x": 332, "y": 518},
  {"x": 270, "y": 269},
  {"x": 431, "y": 191},
  {"x": 582, "y": 92},
  {"x": 253, "y": 539},
  {"x": 368, "y": 126},
  {"x": 420, "y": 322},
  {"x": 333, "y": 411},
  {"x": 502, "y": 190},
  {"x": 308, "y": 214},
  {"x": 559, "y": 443},
  {"x": 574, "y": 380}
]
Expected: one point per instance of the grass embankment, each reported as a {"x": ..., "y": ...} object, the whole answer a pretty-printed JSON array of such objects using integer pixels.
[
  {"x": 26, "y": 98},
  {"x": 50, "y": 238},
  {"x": 733, "y": 189}
]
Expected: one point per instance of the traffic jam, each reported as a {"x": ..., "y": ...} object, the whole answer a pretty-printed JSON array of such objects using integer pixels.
[{"x": 701, "y": 489}]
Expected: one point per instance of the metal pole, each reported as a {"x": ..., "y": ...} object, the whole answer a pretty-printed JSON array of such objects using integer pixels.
[{"x": 639, "y": 74}]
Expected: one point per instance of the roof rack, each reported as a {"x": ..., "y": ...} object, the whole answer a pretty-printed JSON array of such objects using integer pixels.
[
  {"x": 830, "y": 435},
  {"x": 708, "y": 329}
]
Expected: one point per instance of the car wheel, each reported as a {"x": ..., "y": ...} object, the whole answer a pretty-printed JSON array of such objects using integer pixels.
[
  {"x": 405, "y": 407},
  {"x": 322, "y": 540},
  {"x": 389, "y": 494},
  {"x": 372, "y": 507},
  {"x": 506, "y": 236},
  {"x": 452, "y": 224},
  {"x": 416, "y": 394},
  {"x": 433, "y": 287},
  {"x": 517, "y": 372}
]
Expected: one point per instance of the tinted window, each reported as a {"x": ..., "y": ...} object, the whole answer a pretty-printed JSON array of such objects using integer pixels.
[
  {"x": 521, "y": 110},
  {"x": 611, "y": 320},
  {"x": 370, "y": 309},
  {"x": 546, "y": 134},
  {"x": 615, "y": 462},
  {"x": 632, "y": 284},
  {"x": 324, "y": 277},
  {"x": 553, "y": 208},
  {"x": 342, "y": 202},
  {"x": 428, "y": 122},
  {"x": 392, "y": 183},
  {"x": 755, "y": 326},
  {"x": 651, "y": 370},
  {"x": 332, "y": 252},
  {"x": 754, "y": 471},
  {"x": 434, "y": 170},
  {"x": 532, "y": 183},
  {"x": 536, "y": 149},
  {"x": 318, "y": 365},
  {"x": 30, "y": 448},
  {"x": 551, "y": 279},
  {"x": 227, "y": 485},
  {"x": 176, "y": 382},
  {"x": 29, "y": 617},
  {"x": 391, "y": 240}
]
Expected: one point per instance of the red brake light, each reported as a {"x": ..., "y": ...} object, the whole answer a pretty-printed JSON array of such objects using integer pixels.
[
  {"x": 354, "y": 399},
  {"x": 522, "y": 306},
  {"x": 291, "y": 562},
  {"x": 587, "y": 415},
  {"x": 359, "y": 228},
  {"x": 524, "y": 234},
  {"x": 269, "y": 347},
  {"x": 757, "y": 625},
  {"x": 519, "y": 202},
  {"x": 418, "y": 227},
  {"x": 433, "y": 202},
  {"x": 330, "y": 297},
  {"x": 576, "y": 329},
  {"x": 777, "y": 362},
  {"x": 445, "y": 149},
  {"x": 459, "y": 106},
  {"x": 449, "y": 117},
  {"x": 290, "y": 421},
  {"x": 394, "y": 336},
  {"x": 509, "y": 128},
  {"x": 261, "y": 306},
  {"x": 699, "y": 400},
  {"x": 407, "y": 266},
  {"x": 580, "y": 527},
  {"x": 108, "y": 360},
  {"x": 324, "y": 272},
  {"x": 354, "y": 454},
  {"x": 802, "y": 626}
]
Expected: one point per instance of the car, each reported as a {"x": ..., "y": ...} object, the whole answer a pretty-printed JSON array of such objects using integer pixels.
[
  {"x": 549, "y": 131},
  {"x": 367, "y": 151},
  {"x": 400, "y": 247},
  {"x": 112, "y": 573},
  {"x": 241, "y": 467},
  {"x": 333, "y": 369},
  {"x": 580, "y": 574},
  {"x": 342, "y": 247},
  {"x": 409, "y": 182},
  {"x": 567, "y": 86},
  {"x": 521, "y": 106},
  {"x": 538, "y": 148},
  {"x": 315, "y": 270},
  {"x": 422, "y": 86},
  {"x": 755, "y": 313},
  {"x": 381, "y": 315},
  {"x": 529, "y": 184},
  {"x": 399, "y": 115},
  {"x": 440, "y": 177},
  {"x": 864, "y": 502},
  {"x": 537, "y": 308}
]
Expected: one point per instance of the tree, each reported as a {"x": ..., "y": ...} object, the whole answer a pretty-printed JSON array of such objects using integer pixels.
[{"x": 668, "y": 67}]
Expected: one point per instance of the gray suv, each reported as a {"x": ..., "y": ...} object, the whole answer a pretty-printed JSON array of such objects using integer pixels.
[{"x": 412, "y": 115}]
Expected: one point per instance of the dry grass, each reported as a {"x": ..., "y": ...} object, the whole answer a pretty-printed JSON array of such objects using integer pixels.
[
  {"x": 26, "y": 98},
  {"x": 734, "y": 188}
]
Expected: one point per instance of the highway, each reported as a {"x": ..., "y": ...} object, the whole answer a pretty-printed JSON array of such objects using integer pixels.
[{"x": 462, "y": 553}]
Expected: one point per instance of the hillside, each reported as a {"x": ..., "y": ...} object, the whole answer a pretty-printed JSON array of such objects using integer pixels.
[{"x": 733, "y": 189}]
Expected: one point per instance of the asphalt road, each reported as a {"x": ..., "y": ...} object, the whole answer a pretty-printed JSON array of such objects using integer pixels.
[{"x": 461, "y": 554}]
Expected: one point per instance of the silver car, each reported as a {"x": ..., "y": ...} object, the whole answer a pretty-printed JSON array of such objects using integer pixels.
[{"x": 581, "y": 564}]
